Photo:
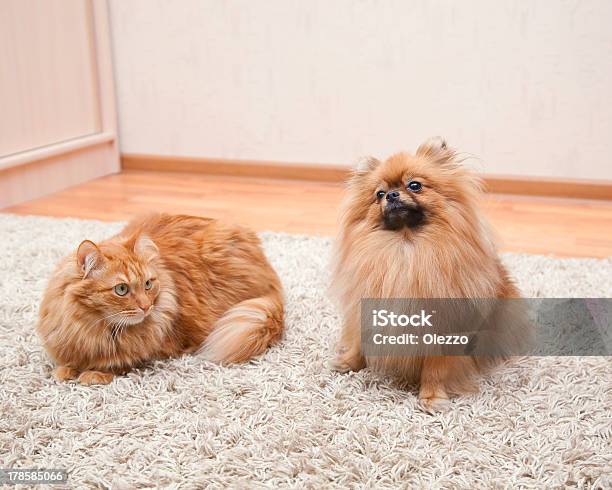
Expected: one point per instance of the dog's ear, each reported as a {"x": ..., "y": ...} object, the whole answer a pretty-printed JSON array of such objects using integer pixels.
[
  {"x": 432, "y": 147},
  {"x": 366, "y": 165}
]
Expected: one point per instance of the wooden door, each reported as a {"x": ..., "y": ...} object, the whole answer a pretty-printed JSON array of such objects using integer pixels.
[{"x": 57, "y": 114}]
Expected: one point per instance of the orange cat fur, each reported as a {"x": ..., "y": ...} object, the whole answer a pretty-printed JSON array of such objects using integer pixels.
[
  {"x": 164, "y": 286},
  {"x": 426, "y": 242}
]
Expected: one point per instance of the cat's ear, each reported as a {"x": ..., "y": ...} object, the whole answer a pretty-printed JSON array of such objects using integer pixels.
[
  {"x": 365, "y": 165},
  {"x": 145, "y": 247},
  {"x": 89, "y": 257}
]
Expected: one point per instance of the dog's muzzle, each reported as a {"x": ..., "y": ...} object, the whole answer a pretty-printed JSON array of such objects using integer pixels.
[{"x": 398, "y": 215}]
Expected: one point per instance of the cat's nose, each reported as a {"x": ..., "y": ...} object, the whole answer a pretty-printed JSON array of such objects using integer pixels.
[
  {"x": 145, "y": 306},
  {"x": 146, "y": 310}
]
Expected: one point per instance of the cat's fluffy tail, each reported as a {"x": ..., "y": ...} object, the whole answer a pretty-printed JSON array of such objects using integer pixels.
[{"x": 245, "y": 330}]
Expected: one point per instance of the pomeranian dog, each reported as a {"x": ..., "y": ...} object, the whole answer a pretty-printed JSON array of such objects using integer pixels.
[
  {"x": 411, "y": 228},
  {"x": 164, "y": 286}
]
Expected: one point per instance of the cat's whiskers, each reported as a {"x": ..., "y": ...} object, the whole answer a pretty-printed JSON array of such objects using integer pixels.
[
  {"x": 120, "y": 326},
  {"x": 116, "y": 325},
  {"x": 123, "y": 329},
  {"x": 73, "y": 333}
]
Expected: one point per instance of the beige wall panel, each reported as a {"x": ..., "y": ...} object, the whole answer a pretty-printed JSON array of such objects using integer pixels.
[
  {"x": 48, "y": 85},
  {"x": 524, "y": 85}
]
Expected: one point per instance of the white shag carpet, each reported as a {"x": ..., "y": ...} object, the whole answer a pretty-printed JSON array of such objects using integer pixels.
[{"x": 285, "y": 420}]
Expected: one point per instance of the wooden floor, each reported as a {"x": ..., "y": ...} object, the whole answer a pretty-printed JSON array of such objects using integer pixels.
[{"x": 571, "y": 228}]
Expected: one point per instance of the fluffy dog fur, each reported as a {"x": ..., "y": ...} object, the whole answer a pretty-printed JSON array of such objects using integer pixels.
[
  {"x": 190, "y": 283},
  {"x": 432, "y": 242}
]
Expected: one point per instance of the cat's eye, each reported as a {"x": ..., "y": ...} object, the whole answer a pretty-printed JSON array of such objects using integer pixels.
[
  {"x": 121, "y": 289},
  {"x": 414, "y": 186},
  {"x": 380, "y": 194},
  {"x": 148, "y": 284}
]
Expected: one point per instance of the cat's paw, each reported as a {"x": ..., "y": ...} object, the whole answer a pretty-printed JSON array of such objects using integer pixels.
[
  {"x": 95, "y": 378},
  {"x": 65, "y": 373}
]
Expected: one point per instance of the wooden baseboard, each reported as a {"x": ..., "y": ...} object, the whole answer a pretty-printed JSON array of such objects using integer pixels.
[
  {"x": 237, "y": 168},
  {"x": 549, "y": 187},
  {"x": 47, "y": 172},
  {"x": 499, "y": 184}
]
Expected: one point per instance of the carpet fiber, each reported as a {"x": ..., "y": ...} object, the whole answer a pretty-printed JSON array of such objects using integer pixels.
[{"x": 285, "y": 419}]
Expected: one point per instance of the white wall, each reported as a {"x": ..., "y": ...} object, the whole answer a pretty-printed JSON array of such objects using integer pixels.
[{"x": 526, "y": 85}]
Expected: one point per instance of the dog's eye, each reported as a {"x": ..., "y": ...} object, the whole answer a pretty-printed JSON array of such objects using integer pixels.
[
  {"x": 380, "y": 194},
  {"x": 121, "y": 289},
  {"x": 414, "y": 186}
]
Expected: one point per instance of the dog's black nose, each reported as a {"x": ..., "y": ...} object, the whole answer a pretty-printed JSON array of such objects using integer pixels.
[{"x": 392, "y": 196}]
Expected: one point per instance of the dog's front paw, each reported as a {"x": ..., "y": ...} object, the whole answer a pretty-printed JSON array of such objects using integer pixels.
[
  {"x": 347, "y": 360},
  {"x": 95, "y": 378},
  {"x": 434, "y": 404},
  {"x": 339, "y": 364},
  {"x": 433, "y": 398},
  {"x": 65, "y": 373}
]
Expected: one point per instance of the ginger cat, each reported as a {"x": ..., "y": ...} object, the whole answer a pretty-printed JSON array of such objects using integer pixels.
[{"x": 164, "y": 286}]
